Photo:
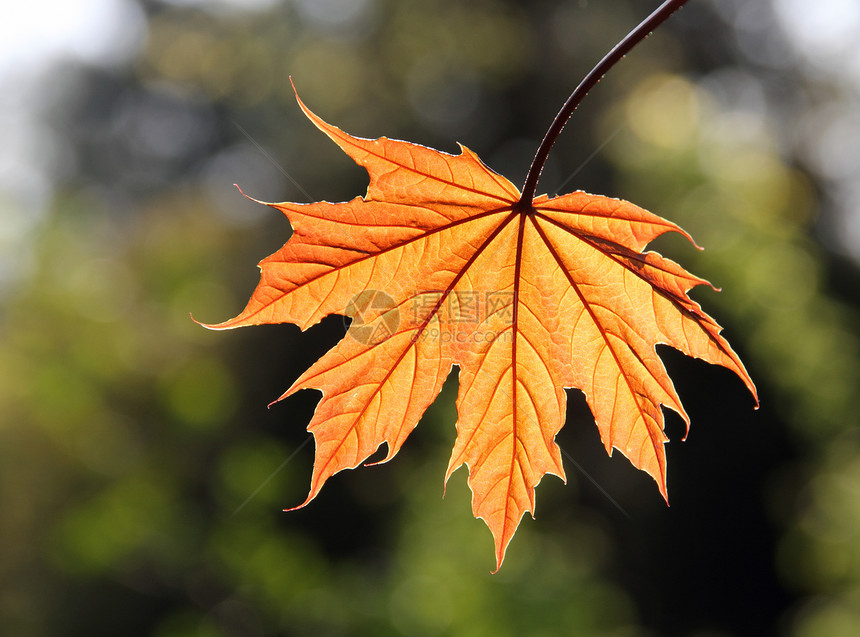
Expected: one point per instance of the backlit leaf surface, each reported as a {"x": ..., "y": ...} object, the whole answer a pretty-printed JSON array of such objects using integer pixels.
[{"x": 437, "y": 267}]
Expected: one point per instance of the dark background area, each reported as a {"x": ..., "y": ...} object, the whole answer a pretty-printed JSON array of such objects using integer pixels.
[{"x": 142, "y": 478}]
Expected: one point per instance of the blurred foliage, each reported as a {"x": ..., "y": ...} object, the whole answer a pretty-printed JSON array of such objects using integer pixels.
[{"x": 141, "y": 477}]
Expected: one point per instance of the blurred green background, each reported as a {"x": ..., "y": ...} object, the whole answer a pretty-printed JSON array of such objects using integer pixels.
[{"x": 142, "y": 479}]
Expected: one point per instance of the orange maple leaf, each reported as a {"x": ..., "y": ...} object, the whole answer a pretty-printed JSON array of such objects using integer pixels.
[{"x": 439, "y": 266}]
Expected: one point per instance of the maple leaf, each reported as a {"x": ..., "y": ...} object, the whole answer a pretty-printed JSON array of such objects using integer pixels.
[{"x": 440, "y": 265}]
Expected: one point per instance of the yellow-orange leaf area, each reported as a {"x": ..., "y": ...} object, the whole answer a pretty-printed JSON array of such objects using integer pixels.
[{"x": 437, "y": 267}]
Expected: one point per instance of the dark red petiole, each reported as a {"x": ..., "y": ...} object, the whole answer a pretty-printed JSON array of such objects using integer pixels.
[{"x": 594, "y": 76}]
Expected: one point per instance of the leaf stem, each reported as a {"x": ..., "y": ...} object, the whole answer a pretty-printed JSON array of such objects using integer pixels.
[{"x": 594, "y": 76}]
